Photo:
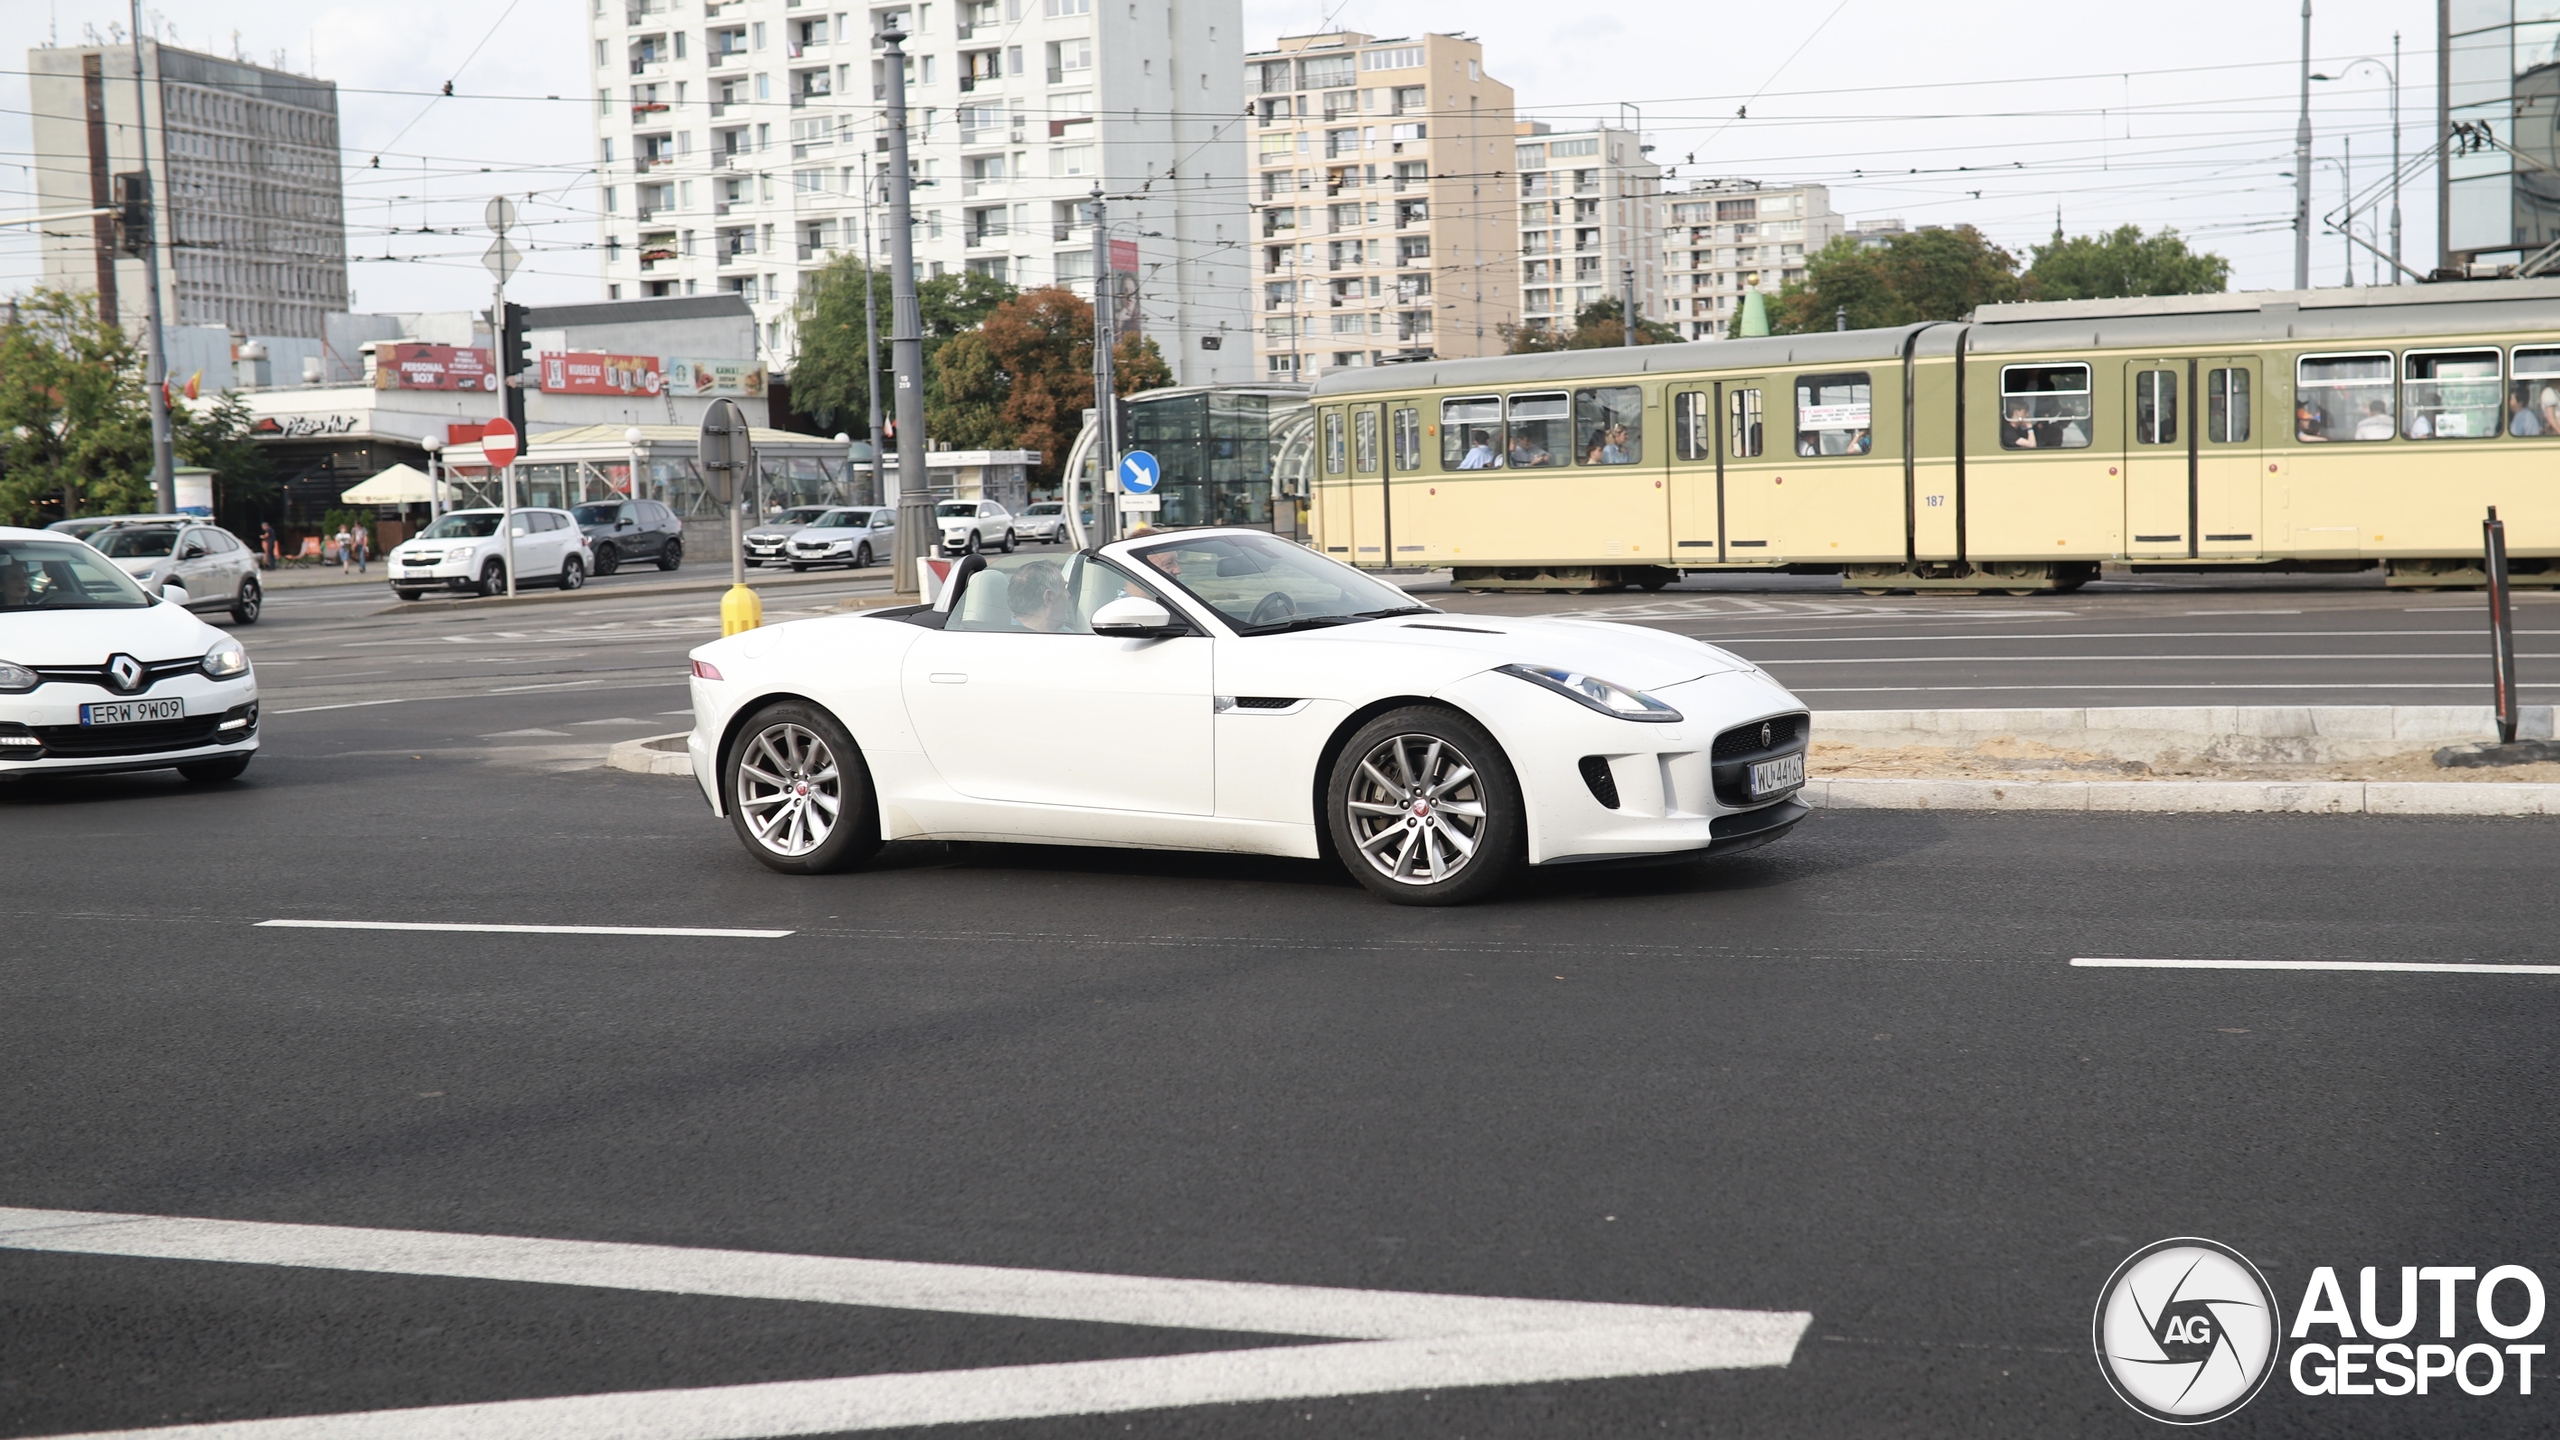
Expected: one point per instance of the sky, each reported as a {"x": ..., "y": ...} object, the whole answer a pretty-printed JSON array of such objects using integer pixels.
[{"x": 2174, "y": 112}]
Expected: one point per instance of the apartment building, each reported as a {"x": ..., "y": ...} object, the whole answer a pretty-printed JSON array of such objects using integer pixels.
[
  {"x": 1723, "y": 238},
  {"x": 244, "y": 170},
  {"x": 740, "y": 148},
  {"x": 1384, "y": 227},
  {"x": 1589, "y": 220}
]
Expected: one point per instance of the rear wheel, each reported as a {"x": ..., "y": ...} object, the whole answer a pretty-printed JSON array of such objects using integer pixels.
[
  {"x": 798, "y": 794},
  {"x": 671, "y": 555},
  {"x": 493, "y": 579},
  {"x": 573, "y": 573},
  {"x": 1423, "y": 809},
  {"x": 246, "y": 605},
  {"x": 608, "y": 559},
  {"x": 207, "y": 772}
]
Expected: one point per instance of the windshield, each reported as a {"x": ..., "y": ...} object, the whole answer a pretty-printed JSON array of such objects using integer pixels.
[
  {"x": 63, "y": 575},
  {"x": 805, "y": 515},
  {"x": 1047, "y": 507},
  {"x": 137, "y": 544},
  {"x": 956, "y": 510},
  {"x": 1262, "y": 584},
  {"x": 462, "y": 527},
  {"x": 843, "y": 520},
  {"x": 602, "y": 512}
]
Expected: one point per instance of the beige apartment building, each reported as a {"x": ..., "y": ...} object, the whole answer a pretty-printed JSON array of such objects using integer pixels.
[
  {"x": 1725, "y": 238},
  {"x": 1385, "y": 224},
  {"x": 1589, "y": 222}
]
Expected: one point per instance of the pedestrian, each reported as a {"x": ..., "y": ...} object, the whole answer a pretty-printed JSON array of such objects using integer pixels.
[
  {"x": 364, "y": 547},
  {"x": 345, "y": 543},
  {"x": 270, "y": 549}
]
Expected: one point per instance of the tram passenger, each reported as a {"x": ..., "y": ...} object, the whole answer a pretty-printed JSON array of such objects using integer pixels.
[
  {"x": 1808, "y": 442},
  {"x": 2308, "y": 424},
  {"x": 2376, "y": 424},
  {"x": 1480, "y": 454},
  {"x": 2017, "y": 432},
  {"x": 1862, "y": 442},
  {"x": 1526, "y": 452},
  {"x": 2520, "y": 418}
]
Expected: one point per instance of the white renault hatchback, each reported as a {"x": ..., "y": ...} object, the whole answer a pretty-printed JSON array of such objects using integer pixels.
[{"x": 96, "y": 674}]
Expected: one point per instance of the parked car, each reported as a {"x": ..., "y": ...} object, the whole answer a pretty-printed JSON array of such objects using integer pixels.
[
  {"x": 99, "y": 674},
  {"x": 87, "y": 525},
  {"x": 209, "y": 563},
  {"x": 856, "y": 535},
  {"x": 767, "y": 541},
  {"x": 619, "y": 530},
  {"x": 1285, "y": 703},
  {"x": 1046, "y": 521},
  {"x": 972, "y": 525},
  {"x": 462, "y": 550}
]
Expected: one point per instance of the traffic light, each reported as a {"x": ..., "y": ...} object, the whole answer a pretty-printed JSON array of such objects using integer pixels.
[
  {"x": 133, "y": 212},
  {"x": 518, "y": 366}
]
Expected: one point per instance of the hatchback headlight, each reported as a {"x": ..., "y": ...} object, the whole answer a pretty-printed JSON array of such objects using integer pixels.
[
  {"x": 226, "y": 660},
  {"x": 1604, "y": 696},
  {"x": 17, "y": 679}
]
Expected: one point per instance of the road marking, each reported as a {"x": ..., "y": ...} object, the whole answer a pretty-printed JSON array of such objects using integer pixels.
[
  {"x": 350, "y": 705},
  {"x": 2098, "y": 687},
  {"x": 2123, "y": 635},
  {"x": 526, "y": 929},
  {"x": 1385, "y": 1340},
  {"x": 2445, "y": 658},
  {"x": 515, "y": 734},
  {"x": 2410, "y": 967}
]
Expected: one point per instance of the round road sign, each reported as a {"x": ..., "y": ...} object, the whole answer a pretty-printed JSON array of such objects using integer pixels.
[
  {"x": 498, "y": 443},
  {"x": 1139, "y": 473}
]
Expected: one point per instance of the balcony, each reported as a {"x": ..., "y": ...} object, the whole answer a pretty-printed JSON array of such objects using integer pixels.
[{"x": 992, "y": 187}]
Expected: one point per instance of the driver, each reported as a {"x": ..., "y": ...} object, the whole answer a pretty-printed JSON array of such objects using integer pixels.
[
  {"x": 17, "y": 589},
  {"x": 1038, "y": 598}
]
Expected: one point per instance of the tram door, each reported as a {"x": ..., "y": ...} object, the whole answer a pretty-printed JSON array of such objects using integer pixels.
[
  {"x": 1373, "y": 525},
  {"x": 1747, "y": 474},
  {"x": 2231, "y": 473},
  {"x": 2158, "y": 476}
]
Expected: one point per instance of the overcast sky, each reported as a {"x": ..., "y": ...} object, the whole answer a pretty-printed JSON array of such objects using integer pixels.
[{"x": 2175, "y": 112}]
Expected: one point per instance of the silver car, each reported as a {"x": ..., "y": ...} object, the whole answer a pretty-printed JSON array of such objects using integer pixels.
[
  {"x": 857, "y": 535},
  {"x": 209, "y": 563},
  {"x": 766, "y": 541}
]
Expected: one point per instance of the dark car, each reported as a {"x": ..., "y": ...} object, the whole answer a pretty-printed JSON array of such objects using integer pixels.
[{"x": 632, "y": 530}]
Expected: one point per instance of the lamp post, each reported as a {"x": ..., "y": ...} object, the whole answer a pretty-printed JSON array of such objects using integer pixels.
[
  {"x": 434, "y": 446},
  {"x": 906, "y": 329},
  {"x": 2302, "y": 167},
  {"x": 2390, "y": 72},
  {"x": 631, "y": 475}
]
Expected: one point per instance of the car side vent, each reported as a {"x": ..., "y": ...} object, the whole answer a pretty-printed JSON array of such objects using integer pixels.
[
  {"x": 1604, "y": 785},
  {"x": 1265, "y": 702}
]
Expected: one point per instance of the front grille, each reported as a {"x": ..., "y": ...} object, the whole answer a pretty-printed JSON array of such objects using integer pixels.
[
  {"x": 149, "y": 738},
  {"x": 153, "y": 672},
  {"x": 1785, "y": 733},
  {"x": 1604, "y": 785}
]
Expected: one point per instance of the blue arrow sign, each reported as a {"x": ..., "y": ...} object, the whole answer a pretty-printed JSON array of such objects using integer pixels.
[{"x": 1139, "y": 473}]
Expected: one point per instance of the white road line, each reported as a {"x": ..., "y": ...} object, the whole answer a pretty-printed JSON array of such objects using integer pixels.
[
  {"x": 2408, "y": 967},
  {"x": 526, "y": 929},
  {"x": 2123, "y": 635},
  {"x": 2446, "y": 657},
  {"x": 350, "y": 705},
  {"x": 2105, "y": 685},
  {"x": 1393, "y": 1340}
]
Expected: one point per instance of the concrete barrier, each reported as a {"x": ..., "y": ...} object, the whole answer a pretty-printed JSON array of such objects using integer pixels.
[
  {"x": 2202, "y": 734},
  {"x": 2326, "y": 797}
]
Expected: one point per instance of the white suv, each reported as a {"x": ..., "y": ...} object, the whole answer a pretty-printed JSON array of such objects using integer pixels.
[
  {"x": 969, "y": 525},
  {"x": 463, "y": 551}
]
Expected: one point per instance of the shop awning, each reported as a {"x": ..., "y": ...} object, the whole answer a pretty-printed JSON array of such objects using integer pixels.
[{"x": 399, "y": 485}]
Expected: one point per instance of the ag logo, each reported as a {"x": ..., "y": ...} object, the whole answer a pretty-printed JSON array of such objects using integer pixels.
[{"x": 2186, "y": 1331}]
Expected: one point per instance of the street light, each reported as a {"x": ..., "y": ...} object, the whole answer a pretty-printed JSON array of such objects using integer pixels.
[
  {"x": 631, "y": 476},
  {"x": 2390, "y": 72}
]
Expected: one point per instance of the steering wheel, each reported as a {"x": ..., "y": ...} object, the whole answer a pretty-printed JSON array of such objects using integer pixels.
[{"x": 1275, "y": 608}]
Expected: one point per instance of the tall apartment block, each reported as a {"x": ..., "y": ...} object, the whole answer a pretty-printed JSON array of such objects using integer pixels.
[
  {"x": 244, "y": 171},
  {"x": 1727, "y": 237},
  {"x": 1589, "y": 220},
  {"x": 1384, "y": 226},
  {"x": 740, "y": 147}
]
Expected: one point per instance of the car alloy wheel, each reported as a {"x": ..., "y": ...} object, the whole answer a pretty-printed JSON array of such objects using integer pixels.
[
  {"x": 671, "y": 555},
  {"x": 573, "y": 573},
  {"x": 1424, "y": 810},
  {"x": 799, "y": 795},
  {"x": 1008, "y": 542},
  {"x": 251, "y": 600},
  {"x": 608, "y": 560},
  {"x": 862, "y": 557},
  {"x": 493, "y": 579}
]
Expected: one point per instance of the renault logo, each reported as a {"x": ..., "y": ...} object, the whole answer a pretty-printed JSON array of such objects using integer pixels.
[
  {"x": 125, "y": 672},
  {"x": 1768, "y": 736}
]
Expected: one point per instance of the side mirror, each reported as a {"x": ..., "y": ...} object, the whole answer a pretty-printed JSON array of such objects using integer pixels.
[
  {"x": 1135, "y": 617},
  {"x": 174, "y": 593},
  {"x": 516, "y": 531}
]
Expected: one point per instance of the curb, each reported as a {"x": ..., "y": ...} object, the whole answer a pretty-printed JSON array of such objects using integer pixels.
[
  {"x": 588, "y": 593},
  {"x": 2349, "y": 797},
  {"x": 666, "y": 755}
]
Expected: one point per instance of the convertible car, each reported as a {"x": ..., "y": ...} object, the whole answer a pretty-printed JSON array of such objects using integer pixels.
[{"x": 1226, "y": 690}]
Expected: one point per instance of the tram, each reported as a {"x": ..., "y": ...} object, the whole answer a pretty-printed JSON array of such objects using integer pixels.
[{"x": 2013, "y": 452}]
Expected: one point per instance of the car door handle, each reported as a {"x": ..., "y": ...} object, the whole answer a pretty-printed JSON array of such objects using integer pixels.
[{"x": 949, "y": 677}]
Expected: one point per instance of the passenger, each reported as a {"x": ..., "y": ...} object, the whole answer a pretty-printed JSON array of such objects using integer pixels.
[
  {"x": 1808, "y": 442},
  {"x": 1038, "y": 598},
  {"x": 2419, "y": 429},
  {"x": 2547, "y": 403},
  {"x": 2017, "y": 432},
  {"x": 17, "y": 589},
  {"x": 1480, "y": 454},
  {"x": 2521, "y": 419},
  {"x": 2308, "y": 423},
  {"x": 1861, "y": 443},
  {"x": 1526, "y": 452},
  {"x": 1591, "y": 448},
  {"x": 1616, "y": 449},
  {"x": 2376, "y": 424}
]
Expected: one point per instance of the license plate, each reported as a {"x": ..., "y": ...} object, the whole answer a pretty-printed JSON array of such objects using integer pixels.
[
  {"x": 1769, "y": 777},
  {"x": 130, "y": 712}
]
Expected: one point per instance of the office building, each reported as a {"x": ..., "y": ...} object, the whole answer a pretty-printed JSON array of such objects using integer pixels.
[
  {"x": 1384, "y": 224},
  {"x": 243, "y": 164},
  {"x": 1589, "y": 223},
  {"x": 1724, "y": 238},
  {"x": 739, "y": 150}
]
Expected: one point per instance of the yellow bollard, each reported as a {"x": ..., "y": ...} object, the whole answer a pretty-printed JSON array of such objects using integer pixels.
[{"x": 740, "y": 609}]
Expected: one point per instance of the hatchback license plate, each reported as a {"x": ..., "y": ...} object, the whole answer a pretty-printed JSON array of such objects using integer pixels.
[
  {"x": 1771, "y": 776},
  {"x": 131, "y": 712}
]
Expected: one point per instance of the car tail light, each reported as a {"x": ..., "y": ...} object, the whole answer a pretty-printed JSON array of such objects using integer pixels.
[{"x": 704, "y": 670}]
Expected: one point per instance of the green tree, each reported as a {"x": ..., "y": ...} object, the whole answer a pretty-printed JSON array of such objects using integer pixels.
[
  {"x": 1597, "y": 326},
  {"x": 827, "y": 377},
  {"x": 1923, "y": 275},
  {"x": 964, "y": 394},
  {"x": 2124, "y": 261},
  {"x": 217, "y": 438},
  {"x": 74, "y": 434}
]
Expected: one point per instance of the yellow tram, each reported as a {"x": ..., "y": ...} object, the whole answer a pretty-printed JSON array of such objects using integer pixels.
[{"x": 2317, "y": 429}]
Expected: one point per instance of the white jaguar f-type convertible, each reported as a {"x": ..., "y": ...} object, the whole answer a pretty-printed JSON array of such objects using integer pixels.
[{"x": 1226, "y": 690}]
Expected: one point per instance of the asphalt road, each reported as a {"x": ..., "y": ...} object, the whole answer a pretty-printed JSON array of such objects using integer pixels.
[{"x": 1853, "y": 1075}]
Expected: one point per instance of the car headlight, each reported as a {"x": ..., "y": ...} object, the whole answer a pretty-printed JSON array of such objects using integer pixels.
[
  {"x": 17, "y": 679},
  {"x": 226, "y": 660},
  {"x": 458, "y": 552},
  {"x": 1604, "y": 696}
]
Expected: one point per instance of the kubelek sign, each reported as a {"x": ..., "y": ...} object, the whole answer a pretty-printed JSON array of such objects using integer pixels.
[{"x": 579, "y": 372}]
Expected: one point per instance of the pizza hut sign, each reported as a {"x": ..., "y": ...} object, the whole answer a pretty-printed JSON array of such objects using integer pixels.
[{"x": 297, "y": 427}]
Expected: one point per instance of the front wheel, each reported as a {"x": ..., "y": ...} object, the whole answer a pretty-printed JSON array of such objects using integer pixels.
[
  {"x": 493, "y": 579},
  {"x": 1007, "y": 547},
  {"x": 207, "y": 772},
  {"x": 862, "y": 556},
  {"x": 573, "y": 573},
  {"x": 246, "y": 605},
  {"x": 406, "y": 593},
  {"x": 671, "y": 555},
  {"x": 1423, "y": 809},
  {"x": 799, "y": 796}
]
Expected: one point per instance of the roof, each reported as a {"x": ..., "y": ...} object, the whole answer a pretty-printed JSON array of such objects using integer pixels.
[
  {"x": 726, "y": 304},
  {"x": 1825, "y": 347}
]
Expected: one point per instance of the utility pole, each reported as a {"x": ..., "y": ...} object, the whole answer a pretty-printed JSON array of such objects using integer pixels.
[
  {"x": 871, "y": 351},
  {"x": 2347, "y": 202},
  {"x": 2395, "y": 157},
  {"x": 2302, "y": 167},
  {"x": 155, "y": 373},
  {"x": 1627, "y": 287},
  {"x": 906, "y": 331},
  {"x": 1106, "y": 409}
]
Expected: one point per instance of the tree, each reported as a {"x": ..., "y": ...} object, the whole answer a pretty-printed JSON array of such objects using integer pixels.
[
  {"x": 74, "y": 433},
  {"x": 964, "y": 394},
  {"x": 1042, "y": 342},
  {"x": 217, "y": 438},
  {"x": 827, "y": 377},
  {"x": 2123, "y": 261},
  {"x": 1924, "y": 275},
  {"x": 1597, "y": 326}
]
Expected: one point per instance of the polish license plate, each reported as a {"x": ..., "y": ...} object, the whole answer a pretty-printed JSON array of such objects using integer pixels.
[
  {"x": 131, "y": 712},
  {"x": 1770, "y": 777}
]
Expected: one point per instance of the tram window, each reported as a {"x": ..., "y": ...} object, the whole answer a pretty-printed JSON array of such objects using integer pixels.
[
  {"x": 1471, "y": 433},
  {"x": 2533, "y": 396},
  {"x": 2342, "y": 397},
  {"x": 1609, "y": 425},
  {"x": 2449, "y": 394},
  {"x": 1364, "y": 441},
  {"x": 1835, "y": 414},
  {"x": 2155, "y": 407},
  {"x": 2044, "y": 407},
  {"x": 1692, "y": 426},
  {"x": 1541, "y": 431},
  {"x": 1333, "y": 442},
  {"x": 2226, "y": 406},
  {"x": 1408, "y": 439},
  {"x": 1743, "y": 440}
]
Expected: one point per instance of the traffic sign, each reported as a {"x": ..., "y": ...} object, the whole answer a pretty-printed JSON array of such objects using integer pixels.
[
  {"x": 726, "y": 451},
  {"x": 498, "y": 444},
  {"x": 502, "y": 259},
  {"x": 1139, "y": 504},
  {"x": 1139, "y": 473},
  {"x": 500, "y": 212}
]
